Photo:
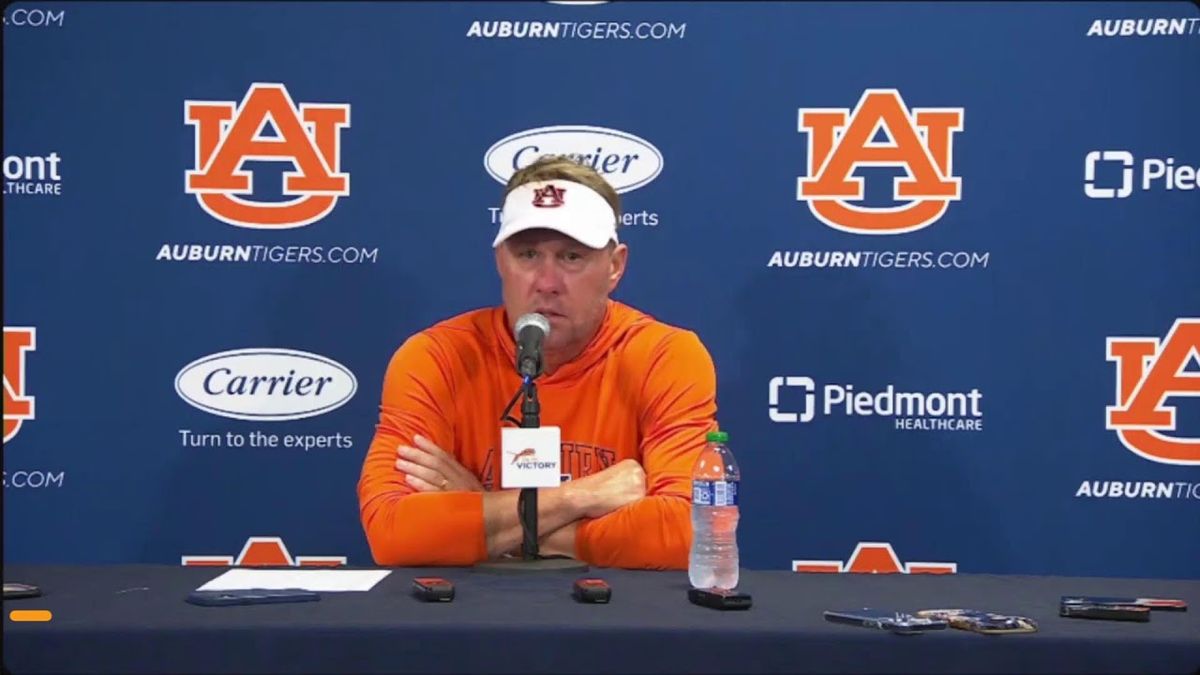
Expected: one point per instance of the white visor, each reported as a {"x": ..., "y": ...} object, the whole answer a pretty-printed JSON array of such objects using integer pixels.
[{"x": 564, "y": 206}]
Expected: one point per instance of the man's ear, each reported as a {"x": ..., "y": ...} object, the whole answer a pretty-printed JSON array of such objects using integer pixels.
[{"x": 617, "y": 260}]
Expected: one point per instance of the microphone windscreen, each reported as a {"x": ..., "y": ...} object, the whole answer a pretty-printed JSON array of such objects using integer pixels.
[{"x": 531, "y": 319}]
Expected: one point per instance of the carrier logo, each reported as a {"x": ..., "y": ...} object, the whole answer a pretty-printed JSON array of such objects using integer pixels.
[
  {"x": 840, "y": 141},
  {"x": 1154, "y": 174},
  {"x": 264, "y": 552},
  {"x": 18, "y": 404},
  {"x": 626, "y": 161},
  {"x": 266, "y": 384},
  {"x": 229, "y": 134},
  {"x": 872, "y": 557},
  {"x": 1149, "y": 371},
  {"x": 910, "y": 410}
]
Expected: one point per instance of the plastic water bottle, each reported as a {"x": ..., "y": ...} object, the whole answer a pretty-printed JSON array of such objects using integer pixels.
[{"x": 713, "y": 562}]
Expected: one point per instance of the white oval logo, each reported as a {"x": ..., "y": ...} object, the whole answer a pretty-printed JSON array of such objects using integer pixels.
[
  {"x": 626, "y": 161},
  {"x": 265, "y": 384}
]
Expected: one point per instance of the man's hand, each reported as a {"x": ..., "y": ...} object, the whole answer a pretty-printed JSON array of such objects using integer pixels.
[
  {"x": 604, "y": 492},
  {"x": 428, "y": 468}
]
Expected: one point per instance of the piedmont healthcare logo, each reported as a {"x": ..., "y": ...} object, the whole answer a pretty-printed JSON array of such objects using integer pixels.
[
  {"x": 799, "y": 399},
  {"x": 265, "y": 385},
  {"x": 627, "y": 161},
  {"x": 33, "y": 174},
  {"x": 1155, "y": 27},
  {"x": 881, "y": 131},
  {"x": 1113, "y": 174},
  {"x": 237, "y": 142},
  {"x": 263, "y": 552},
  {"x": 872, "y": 557}
]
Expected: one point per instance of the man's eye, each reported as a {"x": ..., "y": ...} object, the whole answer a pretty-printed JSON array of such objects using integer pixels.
[
  {"x": 528, "y": 254},
  {"x": 573, "y": 256}
]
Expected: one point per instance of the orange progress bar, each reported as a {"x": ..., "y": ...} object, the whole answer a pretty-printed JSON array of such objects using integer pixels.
[{"x": 29, "y": 615}]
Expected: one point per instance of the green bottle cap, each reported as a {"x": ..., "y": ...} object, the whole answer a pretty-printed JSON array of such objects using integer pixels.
[{"x": 717, "y": 437}]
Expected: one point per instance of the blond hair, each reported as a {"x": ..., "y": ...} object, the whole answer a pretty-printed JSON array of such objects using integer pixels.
[{"x": 562, "y": 167}]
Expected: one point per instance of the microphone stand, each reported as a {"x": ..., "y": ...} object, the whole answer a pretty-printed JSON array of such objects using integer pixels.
[{"x": 527, "y": 501}]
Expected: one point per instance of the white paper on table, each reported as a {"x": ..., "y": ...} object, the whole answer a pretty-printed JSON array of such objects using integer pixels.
[{"x": 309, "y": 580}]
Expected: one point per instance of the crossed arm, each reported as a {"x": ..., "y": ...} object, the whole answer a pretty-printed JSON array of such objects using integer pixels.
[
  {"x": 428, "y": 468},
  {"x": 420, "y": 506}
]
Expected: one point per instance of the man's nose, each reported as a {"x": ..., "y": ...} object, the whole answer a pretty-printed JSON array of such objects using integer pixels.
[{"x": 547, "y": 278}]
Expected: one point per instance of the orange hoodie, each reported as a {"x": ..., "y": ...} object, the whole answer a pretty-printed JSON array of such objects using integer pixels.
[{"x": 640, "y": 389}]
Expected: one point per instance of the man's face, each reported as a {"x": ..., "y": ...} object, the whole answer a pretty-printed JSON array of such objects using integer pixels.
[{"x": 550, "y": 273}]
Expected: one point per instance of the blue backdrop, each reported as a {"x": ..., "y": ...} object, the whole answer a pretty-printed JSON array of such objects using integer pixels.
[{"x": 1051, "y": 154}]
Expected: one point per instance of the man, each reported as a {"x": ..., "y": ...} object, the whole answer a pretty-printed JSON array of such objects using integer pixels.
[{"x": 633, "y": 397}]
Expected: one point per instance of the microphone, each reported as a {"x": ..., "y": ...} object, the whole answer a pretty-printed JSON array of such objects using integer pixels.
[{"x": 531, "y": 330}]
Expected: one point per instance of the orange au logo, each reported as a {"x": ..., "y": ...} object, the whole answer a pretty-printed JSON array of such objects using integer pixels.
[
  {"x": 228, "y": 134},
  {"x": 263, "y": 552},
  {"x": 873, "y": 557},
  {"x": 18, "y": 405},
  {"x": 840, "y": 141},
  {"x": 1148, "y": 373}
]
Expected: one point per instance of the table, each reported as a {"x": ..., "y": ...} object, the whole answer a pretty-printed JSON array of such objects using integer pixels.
[{"x": 133, "y": 619}]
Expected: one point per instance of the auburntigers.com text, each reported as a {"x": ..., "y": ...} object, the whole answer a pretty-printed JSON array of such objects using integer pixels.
[
  {"x": 271, "y": 254},
  {"x": 870, "y": 259}
]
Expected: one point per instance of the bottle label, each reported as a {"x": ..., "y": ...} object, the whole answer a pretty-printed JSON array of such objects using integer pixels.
[{"x": 714, "y": 492}]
